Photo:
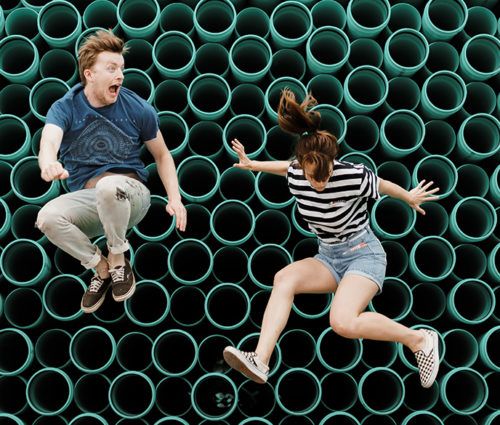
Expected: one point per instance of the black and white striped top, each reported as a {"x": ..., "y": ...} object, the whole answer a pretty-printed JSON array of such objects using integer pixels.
[{"x": 340, "y": 210}]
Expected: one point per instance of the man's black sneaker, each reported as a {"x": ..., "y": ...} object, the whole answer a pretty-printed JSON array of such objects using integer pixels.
[
  {"x": 123, "y": 282},
  {"x": 95, "y": 293}
]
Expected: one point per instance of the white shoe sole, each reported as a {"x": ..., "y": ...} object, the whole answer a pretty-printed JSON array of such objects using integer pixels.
[
  {"x": 123, "y": 297},
  {"x": 238, "y": 361},
  {"x": 95, "y": 306},
  {"x": 435, "y": 354}
]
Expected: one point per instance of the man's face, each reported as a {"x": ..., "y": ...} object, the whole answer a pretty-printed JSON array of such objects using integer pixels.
[{"x": 105, "y": 78}]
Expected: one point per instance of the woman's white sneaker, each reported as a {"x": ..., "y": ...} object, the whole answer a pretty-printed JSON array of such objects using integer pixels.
[
  {"x": 428, "y": 358},
  {"x": 248, "y": 363}
]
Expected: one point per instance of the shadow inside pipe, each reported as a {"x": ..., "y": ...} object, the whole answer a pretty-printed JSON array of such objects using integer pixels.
[
  {"x": 91, "y": 393},
  {"x": 418, "y": 398},
  {"x": 15, "y": 357},
  {"x": 131, "y": 395},
  {"x": 13, "y": 390},
  {"x": 188, "y": 306},
  {"x": 52, "y": 348},
  {"x": 339, "y": 391},
  {"x": 173, "y": 396},
  {"x": 210, "y": 354},
  {"x": 133, "y": 351}
]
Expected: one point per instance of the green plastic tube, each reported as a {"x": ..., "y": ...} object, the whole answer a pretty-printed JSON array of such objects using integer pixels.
[
  {"x": 435, "y": 222},
  {"x": 481, "y": 98},
  {"x": 178, "y": 65},
  {"x": 429, "y": 302},
  {"x": 23, "y": 21},
  {"x": 227, "y": 306},
  {"x": 472, "y": 220},
  {"x": 373, "y": 419},
  {"x": 493, "y": 269},
  {"x": 275, "y": 257},
  {"x": 138, "y": 19},
  {"x": 402, "y": 132},
  {"x": 394, "y": 289},
  {"x": 60, "y": 64},
  {"x": 332, "y": 120},
  {"x": 49, "y": 391},
  {"x": 439, "y": 139},
  {"x": 462, "y": 347},
  {"x": 19, "y": 59},
  {"x": 367, "y": 18},
  {"x": 471, "y": 301},
  {"x": 44, "y": 93},
  {"x": 13, "y": 390},
  {"x": 442, "y": 57},
  {"x": 20, "y": 354},
  {"x": 249, "y": 130},
  {"x": 166, "y": 349},
  {"x": 199, "y": 219},
  {"x": 307, "y": 385},
  {"x": 478, "y": 137},
  {"x": 132, "y": 395},
  {"x": 247, "y": 99},
  {"x": 177, "y": 17},
  {"x": 14, "y": 100},
  {"x": 472, "y": 181},
  {"x": 479, "y": 59},
  {"x": 139, "y": 82},
  {"x": 59, "y": 23},
  {"x": 365, "y": 89},
  {"x": 417, "y": 400},
  {"x": 172, "y": 396},
  {"x": 326, "y": 89},
  {"x": 214, "y": 20},
  {"x": 184, "y": 297},
  {"x": 256, "y": 402},
  {"x": 280, "y": 144},
  {"x": 293, "y": 358},
  {"x": 379, "y": 354},
  {"x": 273, "y": 93},
  {"x": 232, "y": 222},
  {"x": 360, "y": 158},
  {"x": 458, "y": 401},
  {"x": 214, "y": 396},
  {"x": 287, "y": 63},
  {"x": 146, "y": 270},
  {"x": 327, "y": 13},
  {"x": 345, "y": 385},
  {"x": 443, "y": 94},
  {"x": 149, "y": 306},
  {"x": 396, "y": 172},
  {"x": 140, "y": 56},
  {"x": 432, "y": 259},
  {"x": 237, "y": 184},
  {"x": 291, "y": 24},
  {"x": 171, "y": 96},
  {"x": 252, "y": 20},
  {"x": 175, "y": 130},
  {"x": 230, "y": 265},
  {"x": 23, "y": 308},
  {"x": 471, "y": 263},
  {"x": 338, "y": 354},
  {"x": 397, "y": 258},
  {"x": 172, "y": 420},
  {"x": 443, "y": 19},
  {"x": 101, "y": 13},
  {"x": 33, "y": 4},
  {"x": 157, "y": 225},
  {"x": 133, "y": 351},
  {"x": 91, "y": 393},
  {"x": 405, "y": 52},
  {"x": 438, "y": 169},
  {"x": 391, "y": 218},
  {"x": 62, "y": 295},
  {"x": 52, "y": 348},
  {"x": 210, "y": 357},
  {"x": 419, "y": 417},
  {"x": 488, "y": 349},
  {"x": 404, "y": 15},
  {"x": 370, "y": 396},
  {"x": 365, "y": 51},
  {"x": 102, "y": 355},
  {"x": 272, "y": 191},
  {"x": 212, "y": 58},
  {"x": 480, "y": 20},
  {"x": 209, "y": 96},
  {"x": 327, "y": 50},
  {"x": 88, "y": 419},
  {"x": 272, "y": 226},
  {"x": 250, "y": 58},
  {"x": 183, "y": 255},
  {"x": 198, "y": 178},
  {"x": 362, "y": 135},
  {"x": 312, "y": 306},
  {"x": 339, "y": 417}
]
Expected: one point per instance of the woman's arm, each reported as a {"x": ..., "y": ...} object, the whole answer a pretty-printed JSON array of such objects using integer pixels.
[
  {"x": 414, "y": 198},
  {"x": 274, "y": 167}
]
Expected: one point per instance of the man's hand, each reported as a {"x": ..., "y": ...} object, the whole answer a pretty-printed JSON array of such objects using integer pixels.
[
  {"x": 54, "y": 171},
  {"x": 177, "y": 209}
]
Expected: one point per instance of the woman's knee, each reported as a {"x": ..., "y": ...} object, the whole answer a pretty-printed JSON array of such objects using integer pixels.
[
  {"x": 344, "y": 325},
  {"x": 285, "y": 280}
]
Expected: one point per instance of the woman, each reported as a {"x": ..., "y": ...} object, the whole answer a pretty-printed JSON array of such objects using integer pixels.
[{"x": 332, "y": 198}]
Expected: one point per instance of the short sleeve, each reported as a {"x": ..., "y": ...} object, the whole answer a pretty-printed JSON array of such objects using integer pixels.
[
  {"x": 369, "y": 184},
  {"x": 149, "y": 128},
  {"x": 59, "y": 115}
]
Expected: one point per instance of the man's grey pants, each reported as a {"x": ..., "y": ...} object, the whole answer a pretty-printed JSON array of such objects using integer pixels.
[{"x": 116, "y": 204}]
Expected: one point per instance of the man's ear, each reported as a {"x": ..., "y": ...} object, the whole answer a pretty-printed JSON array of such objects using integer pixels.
[{"x": 87, "y": 73}]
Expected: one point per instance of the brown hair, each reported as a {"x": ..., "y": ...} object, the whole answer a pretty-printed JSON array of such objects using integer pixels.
[
  {"x": 315, "y": 146},
  {"x": 100, "y": 41}
]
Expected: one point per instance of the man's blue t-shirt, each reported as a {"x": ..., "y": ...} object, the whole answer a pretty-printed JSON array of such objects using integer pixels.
[{"x": 96, "y": 140}]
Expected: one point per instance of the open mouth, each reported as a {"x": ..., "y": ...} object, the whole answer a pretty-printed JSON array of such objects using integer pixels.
[{"x": 114, "y": 89}]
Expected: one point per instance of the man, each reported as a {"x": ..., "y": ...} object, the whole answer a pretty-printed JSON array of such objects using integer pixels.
[{"x": 98, "y": 128}]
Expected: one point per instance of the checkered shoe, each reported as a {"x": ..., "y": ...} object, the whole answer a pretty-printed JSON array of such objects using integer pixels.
[
  {"x": 247, "y": 363},
  {"x": 428, "y": 358}
]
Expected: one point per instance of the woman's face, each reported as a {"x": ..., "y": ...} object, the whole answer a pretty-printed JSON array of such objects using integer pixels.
[{"x": 309, "y": 170}]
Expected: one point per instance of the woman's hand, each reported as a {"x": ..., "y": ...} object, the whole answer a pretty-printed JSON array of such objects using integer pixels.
[
  {"x": 420, "y": 194},
  {"x": 245, "y": 163}
]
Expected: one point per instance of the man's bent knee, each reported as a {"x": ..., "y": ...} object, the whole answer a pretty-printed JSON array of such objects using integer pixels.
[{"x": 49, "y": 219}]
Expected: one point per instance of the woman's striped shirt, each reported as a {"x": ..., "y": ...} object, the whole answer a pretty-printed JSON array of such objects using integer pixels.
[{"x": 340, "y": 210}]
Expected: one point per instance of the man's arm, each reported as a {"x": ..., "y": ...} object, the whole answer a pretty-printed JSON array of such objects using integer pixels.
[
  {"x": 51, "y": 168},
  {"x": 168, "y": 175}
]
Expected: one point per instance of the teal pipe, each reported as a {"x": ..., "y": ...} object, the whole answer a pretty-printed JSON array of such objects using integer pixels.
[
  {"x": 171, "y": 420},
  {"x": 183, "y": 255},
  {"x": 177, "y": 17},
  {"x": 140, "y": 56},
  {"x": 327, "y": 13},
  {"x": 139, "y": 82},
  {"x": 458, "y": 401},
  {"x": 146, "y": 270},
  {"x": 132, "y": 395},
  {"x": 480, "y": 20},
  {"x": 88, "y": 419},
  {"x": 417, "y": 400},
  {"x": 438, "y": 169},
  {"x": 178, "y": 65},
  {"x": 44, "y": 93},
  {"x": 435, "y": 222},
  {"x": 327, "y": 50},
  {"x": 365, "y": 51},
  {"x": 199, "y": 223},
  {"x": 14, "y": 100},
  {"x": 346, "y": 386},
  {"x": 472, "y": 219},
  {"x": 13, "y": 389},
  {"x": 5, "y": 218},
  {"x": 272, "y": 191},
  {"x": 264, "y": 262},
  {"x": 332, "y": 120},
  {"x": 66, "y": 264},
  {"x": 338, "y": 354},
  {"x": 471, "y": 262},
  {"x": 296, "y": 420},
  {"x": 16, "y": 255},
  {"x": 478, "y": 137},
  {"x": 360, "y": 158},
  {"x": 230, "y": 264},
  {"x": 137, "y": 18},
  {"x": 462, "y": 347},
  {"x": 247, "y": 99},
  {"x": 187, "y": 306},
  {"x": 292, "y": 357},
  {"x": 442, "y": 20},
  {"x": 100, "y": 357},
  {"x": 394, "y": 224},
  {"x": 60, "y": 64},
  {"x": 402, "y": 132},
  {"x": 272, "y": 226},
  {"x": 52, "y": 348},
  {"x": 171, "y": 96},
  {"x": 422, "y": 417},
  {"x": 49, "y": 391},
  {"x": 17, "y": 135},
  {"x": 365, "y": 89},
  {"x": 23, "y": 21},
  {"x": 214, "y": 21},
  {"x": 312, "y": 306},
  {"x": 212, "y": 58},
  {"x": 2, "y": 20},
  {"x": 178, "y": 361},
  {"x": 158, "y": 224},
  {"x": 23, "y": 308},
  {"x": 404, "y": 15},
  {"x": 362, "y": 135},
  {"x": 373, "y": 419},
  {"x": 488, "y": 349},
  {"x": 8, "y": 418},
  {"x": 175, "y": 130},
  {"x": 339, "y": 417},
  {"x": 172, "y": 396},
  {"x": 238, "y": 184},
  {"x": 198, "y": 178},
  {"x": 150, "y": 305},
  {"x": 210, "y": 357},
  {"x": 101, "y": 13},
  {"x": 110, "y": 313},
  {"x": 62, "y": 295},
  {"x": 454, "y": 419},
  {"x": 256, "y": 402},
  {"x": 493, "y": 382},
  {"x": 252, "y": 20},
  {"x": 248, "y": 129},
  {"x": 209, "y": 96},
  {"x": 496, "y": 233},
  {"x": 443, "y": 94},
  {"x": 378, "y": 353},
  {"x": 442, "y": 57},
  {"x": 302, "y": 397},
  {"x": 273, "y": 94},
  {"x": 20, "y": 354},
  {"x": 227, "y": 306},
  {"x": 479, "y": 59},
  {"x": 396, "y": 172},
  {"x": 394, "y": 289},
  {"x": 300, "y": 225},
  {"x": 367, "y": 18},
  {"x": 83, "y": 36},
  {"x": 59, "y": 23},
  {"x": 493, "y": 268},
  {"x": 291, "y": 24},
  {"x": 326, "y": 88},
  {"x": 472, "y": 181},
  {"x": 232, "y": 222},
  {"x": 280, "y": 144},
  {"x": 481, "y": 98},
  {"x": 249, "y": 342},
  {"x": 405, "y": 52},
  {"x": 490, "y": 419},
  {"x": 397, "y": 258},
  {"x": 258, "y": 303},
  {"x": 36, "y": 5},
  {"x": 439, "y": 139},
  {"x": 250, "y": 58},
  {"x": 429, "y": 302},
  {"x": 19, "y": 59},
  {"x": 471, "y": 301},
  {"x": 91, "y": 392},
  {"x": 432, "y": 259},
  {"x": 214, "y": 386},
  {"x": 133, "y": 352},
  {"x": 370, "y": 395}
]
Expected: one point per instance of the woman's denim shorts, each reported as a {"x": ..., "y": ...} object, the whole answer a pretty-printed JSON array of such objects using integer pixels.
[{"x": 362, "y": 254}]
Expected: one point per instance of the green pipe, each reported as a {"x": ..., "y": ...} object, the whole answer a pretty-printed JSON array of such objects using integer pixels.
[
  {"x": 496, "y": 233},
  {"x": 332, "y": 120},
  {"x": 365, "y": 89},
  {"x": 326, "y": 88},
  {"x": 379, "y": 354},
  {"x": 328, "y": 13},
  {"x": 255, "y": 420},
  {"x": 175, "y": 130},
  {"x": 454, "y": 419},
  {"x": 432, "y": 259},
  {"x": 139, "y": 82},
  {"x": 132, "y": 395},
  {"x": 23, "y": 21},
  {"x": 150, "y": 304},
  {"x": 157, "y": 225},
  {"x": 60, "y": 64},
  {"x": 362, "y": 135},
  {"x": 172, "y": 396},
  {"x": 481, "y": 20},
  {"x": 472, "y": 181},
  {"x": 238, "y": 184},
  {"x": 133, "y": 351},
  {"x": 183, "y": 255},
  {"x": 397, "y": 301},
  {"x": 199, "y": 223},
  {"x": 227, "y": 306},
  {"x": 339, "y": 391},
  {"x": 62, "y": 295},
  {"x": 327, "y": 50},
  {"x": 292, "y": 356},
  {"x": 2, "y": 20},
  {"x": 443, "y": 94},
  {"x": 405, "y": 52},
  {"x": 59, "y": 23},
  {"x": 471, "y": 262},
  {"x": 27, "y": 184},
  {"x": 273, "y": 94},
  {"x": 372, "y": 419},
  {"x": 258, "y": 303},
  {"x": 16, "y": 132},
  {"x": 488, "y": 349},
  {"x": 252, "y": 20},
  {"x": 298, "y": 391},
  {"x": 5, "y": 218},
  {"x": 110, "y": 313},
  {"x": 177, "y": 17},
  {"x": 66, "y": 264},
  {"x": 210, "y": 357},
  {"x": 462, "y": 348},
  {"x": 232, "y": 222},
  {"x": 493, "y": 382},
  {"x": 472, "y": 219},
  {"x": 370, "y": 396},
  {"x": 272, "y": 226},
  {"x": 101, "y": 13},
  {"x": 365, "y": 51},
  {"x": 171, "y": 95},
  {"x": 272, "y": 191},
  {"x": 256, "y": 402},
  {"x": 147, "y": 270},
  {"x": 439, "y": 139},
  {"x": 360, "y": 158},
  {"x": 49, "y": 391},
  {"x": 266, "y": 5},
  {"x": 493, "y": 268},
  {"x": 481, "y": 98},
  {"x": 20, "y": 354},
  {"x": 10, "y": 5},
  {"x": 442, "y": 57},
  {"x": 264, "y": 262},
  {"x": 478, "y": 137},
  {"x": 91, "y": 391},
  {"x": 44, "y": 93},
  {"x": 456, "y": 399},
  {"x": 471, "y": 301},
  {"x": 490, "y": 419},
  {"x": 429, "y": 302},
  {"x": 247, "y": 99},
  {"x": 198, "y": 178},
  {"x": 392, "y": 218},
  {"x": 397, "y": 258},
  {"x": 417, "y": 400},
  {"x": 403, "y": 15},
  {"x": 339, "y": 418},
  {"x": 214, "y": 21},
  {"x": 100, "y": 357},
  {"x": 9, "y": 419},
  {"x": 52, "y": 348},
  {"x": 212, "y": 58},
  {"x": 214, "y": 396},
  {"x": 249, "y": 342},
  {"x": 13, "y": 389},
  {"x": 396, "y": 172},
  {"x": 291, "y": 24},
  {"x": 280, "y": 144},
  {"x": 443, "y": 19},
  {"x": 23, "y": 308},
  {"x": 16, "y": 255},
  {"x": 172, "y": 419},
  {"x": 178, "y": 65},
  {"x": 14, "y": 100},
  {"x": 338, "y": 354},
  {"x": 300, "y": 225},
  {"x": 184, "y": 297},
  {"x": 367, "y": 18},
  {"x": 209, "y": 96},
  {"x": 438, "y": 169},
  {"x": 250, "y": 58},
  {"x": 402, "y": 132},
  {"x": 140, "y": 56},
  {"x": 88, "y": 419},
  {"x": 138, "y": 19},
  {"x": 479, "y": 59},
  {"x": 435, "y": 223},
  {"x": 250, "y": 130},
  {"x": 33, "y": 4},
  {"x": 420, "y": 417},
  {"x": 83, "y": 36}
]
